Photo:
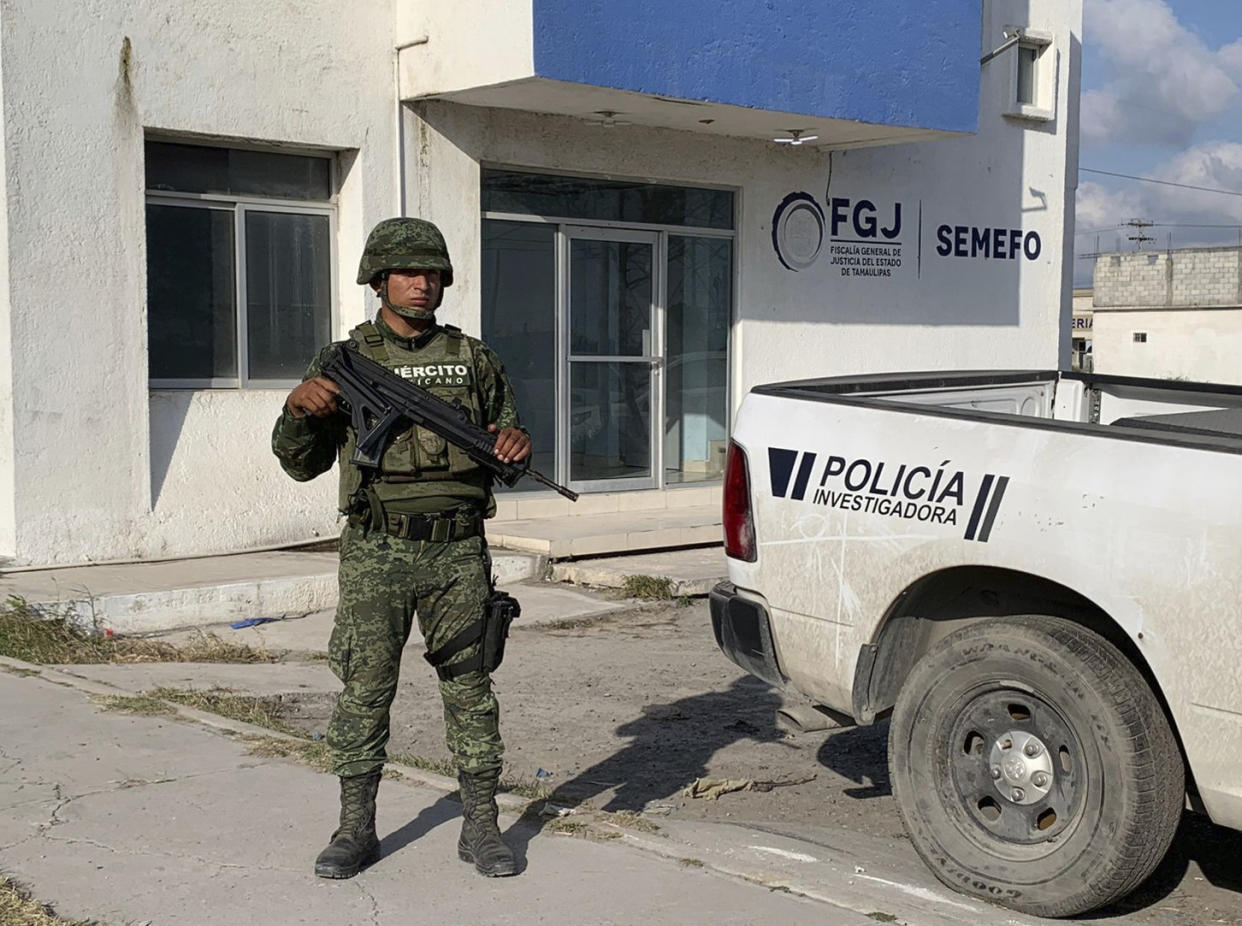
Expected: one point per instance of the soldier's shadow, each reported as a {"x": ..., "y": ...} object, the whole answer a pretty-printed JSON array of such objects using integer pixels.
[
  {"x": 670, "y": 746},
  {"x": 442, "y": 811}
]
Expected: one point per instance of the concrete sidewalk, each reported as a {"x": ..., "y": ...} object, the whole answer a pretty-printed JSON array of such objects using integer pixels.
[
  {"x": 139, "y": 598},
  {"x": 171, "y": 821},
  {"x": 135, "y": 819}
]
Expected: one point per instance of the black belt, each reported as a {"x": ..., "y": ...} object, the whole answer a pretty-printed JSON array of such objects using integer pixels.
[{"x": 430, "y": 527}]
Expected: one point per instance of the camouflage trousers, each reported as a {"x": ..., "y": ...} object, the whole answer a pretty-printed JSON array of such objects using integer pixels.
[{"x": 384, "y": 582}]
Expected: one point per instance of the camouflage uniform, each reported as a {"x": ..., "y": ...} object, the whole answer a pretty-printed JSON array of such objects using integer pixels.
[
  {"x": 386, "y": 580},
  {"x": 413, "y": 546}
]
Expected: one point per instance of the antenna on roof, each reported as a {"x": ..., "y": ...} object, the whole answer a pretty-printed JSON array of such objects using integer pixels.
[{"x": 1138, "y": 225}]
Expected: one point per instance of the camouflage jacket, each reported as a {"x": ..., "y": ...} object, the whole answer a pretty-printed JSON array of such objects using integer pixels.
[{"x": 419, "y": 471}]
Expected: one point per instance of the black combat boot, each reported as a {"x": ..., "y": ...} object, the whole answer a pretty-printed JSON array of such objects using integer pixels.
[
  {"x": 480, "y": 840},
  {"x": 354, "y": 844}
]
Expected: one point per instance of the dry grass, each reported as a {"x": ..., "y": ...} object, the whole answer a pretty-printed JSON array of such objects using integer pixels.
[
  {"x": 33, "y": 635},
  {"x": 628, "y": 819},
  {"x": 17, "y": 909},
  {"x": 226, "y": 703},
  {"x": 134, "y": 704},
  {"x": 435, "y": 766},
  {"x": 314, "y": 753},
  {"x": 566, "y": 827}
]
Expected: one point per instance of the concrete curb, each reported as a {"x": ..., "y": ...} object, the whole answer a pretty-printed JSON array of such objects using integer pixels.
[
  {"x": 509, "y": 566},
  {"x": 582, "y": 572},
  {"x": 226, "y": 726}
]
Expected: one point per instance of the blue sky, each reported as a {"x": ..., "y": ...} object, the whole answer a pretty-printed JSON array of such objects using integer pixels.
[{"x": 1162, "y": 97}]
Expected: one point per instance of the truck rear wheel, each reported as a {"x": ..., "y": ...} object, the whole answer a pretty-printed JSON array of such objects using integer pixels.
[{"x": 1034, "y": 767}]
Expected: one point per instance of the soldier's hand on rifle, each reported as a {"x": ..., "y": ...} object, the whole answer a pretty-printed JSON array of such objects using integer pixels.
[
  {"x": 512, "y": 445},
  {"x": 317, "y": 396}
]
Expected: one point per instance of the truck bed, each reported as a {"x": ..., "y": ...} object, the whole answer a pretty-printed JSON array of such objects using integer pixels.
[{"x": 1201, "y": 415}]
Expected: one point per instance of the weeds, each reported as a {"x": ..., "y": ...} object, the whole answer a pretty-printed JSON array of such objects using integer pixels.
[
  {"x": 245, "y": 708},
  {"x": 143, "y": 705},
  {"x": 422, "y": 763},
  {"x": 32, "y": 634},
  {"x": 565, "y": 827},
  {"x": 314, "y": 753},
  {"x": 660, "y": 587},
  {"x": 628, "y": 819},
  {"x": 18, "y": 909}
]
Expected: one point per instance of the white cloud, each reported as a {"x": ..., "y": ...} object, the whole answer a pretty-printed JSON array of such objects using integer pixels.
[
  {"x": 1230, "y": 58},
  {"x": 1217, "y": 165},
  {"x": 1098, "y": 207},
  {"x": 1168, "y": 81}
]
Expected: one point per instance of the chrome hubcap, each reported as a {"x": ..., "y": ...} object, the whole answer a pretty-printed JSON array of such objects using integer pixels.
[{"x": 1021, "y": 767}]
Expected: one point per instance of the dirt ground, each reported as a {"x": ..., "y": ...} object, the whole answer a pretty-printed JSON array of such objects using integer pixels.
[{"x": 623, "y": 712}]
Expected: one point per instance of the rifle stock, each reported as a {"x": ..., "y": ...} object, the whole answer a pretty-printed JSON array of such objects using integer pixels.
[{"x": 377, "y": 400}]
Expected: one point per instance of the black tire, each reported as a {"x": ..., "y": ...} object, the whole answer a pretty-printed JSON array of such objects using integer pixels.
[{"x": 1078, "y": 826}]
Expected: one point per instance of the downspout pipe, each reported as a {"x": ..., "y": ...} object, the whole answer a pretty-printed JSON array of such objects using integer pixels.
[{"x": 399, "y": 143}]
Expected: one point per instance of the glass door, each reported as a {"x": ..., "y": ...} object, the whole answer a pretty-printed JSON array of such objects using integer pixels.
[{"x": 611, "y": 350}]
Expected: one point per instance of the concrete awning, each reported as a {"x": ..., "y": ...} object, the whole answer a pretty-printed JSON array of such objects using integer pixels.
[{"x": 853, "y": 72}]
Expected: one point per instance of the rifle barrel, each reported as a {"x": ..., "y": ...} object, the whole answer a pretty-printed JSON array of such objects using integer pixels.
[{"x": 540, "y": 477}]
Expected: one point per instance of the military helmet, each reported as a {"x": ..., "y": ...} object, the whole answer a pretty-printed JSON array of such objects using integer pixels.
[{"x": 405, "y": 244}]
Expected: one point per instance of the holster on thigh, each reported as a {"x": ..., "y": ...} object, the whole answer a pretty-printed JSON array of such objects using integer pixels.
[{"x": 490, "y": 631}]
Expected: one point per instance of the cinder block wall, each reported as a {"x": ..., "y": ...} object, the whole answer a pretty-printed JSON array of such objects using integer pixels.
[{"x": 1187, "y": 277}]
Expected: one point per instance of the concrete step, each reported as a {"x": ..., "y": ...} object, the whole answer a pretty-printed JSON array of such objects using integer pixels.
[
  {"x": 147, "y": 597},
  {"x": 690, "y": 572},
  {"x": 609, "y": 532}
]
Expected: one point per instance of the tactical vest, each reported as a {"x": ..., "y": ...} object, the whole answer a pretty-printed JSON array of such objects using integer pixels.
[{"x": 416, "y": 459}]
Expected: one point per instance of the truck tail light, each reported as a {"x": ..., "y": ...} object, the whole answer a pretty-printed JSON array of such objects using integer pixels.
[{"x": 739, "y": 525}]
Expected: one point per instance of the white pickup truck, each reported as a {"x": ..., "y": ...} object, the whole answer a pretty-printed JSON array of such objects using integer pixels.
[{"x": 1038, "y": 574}]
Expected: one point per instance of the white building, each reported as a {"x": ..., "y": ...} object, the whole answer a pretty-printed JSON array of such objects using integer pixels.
[
  {"x": 187, "y": 187},
  {"x": 1170, "y": 314}
]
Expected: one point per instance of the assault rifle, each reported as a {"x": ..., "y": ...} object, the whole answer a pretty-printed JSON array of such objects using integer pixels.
[{"x": 378, "y": 400}]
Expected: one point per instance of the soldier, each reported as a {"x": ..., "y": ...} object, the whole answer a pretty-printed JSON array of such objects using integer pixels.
[{"x": 412, "y": 544}]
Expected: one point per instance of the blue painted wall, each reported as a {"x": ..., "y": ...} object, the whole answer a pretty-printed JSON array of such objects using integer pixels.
[{"x": 889, "y": 62}]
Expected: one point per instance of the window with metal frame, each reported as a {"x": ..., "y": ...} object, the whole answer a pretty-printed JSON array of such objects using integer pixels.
[{"x": 240, "y": 276}]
